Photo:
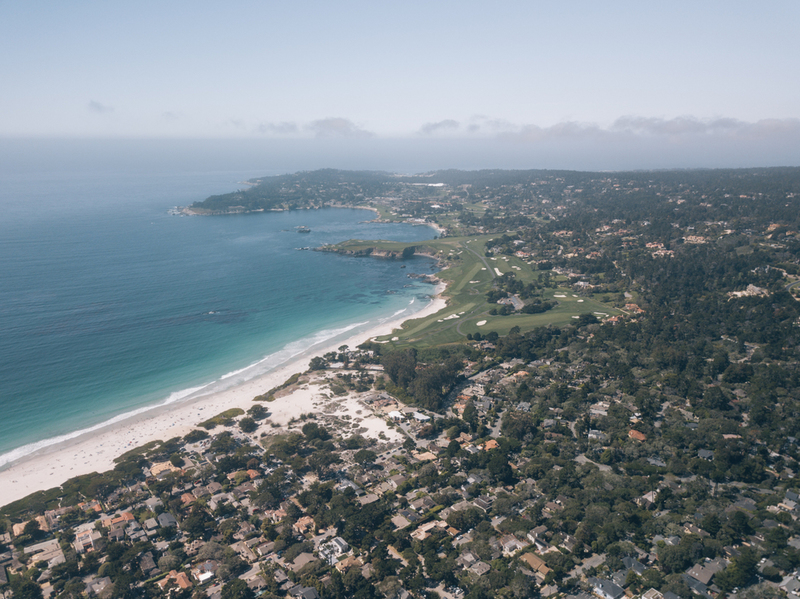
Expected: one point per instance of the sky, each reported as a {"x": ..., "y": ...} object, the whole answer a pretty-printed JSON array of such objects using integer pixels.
[{"x": 632, "y": 84}]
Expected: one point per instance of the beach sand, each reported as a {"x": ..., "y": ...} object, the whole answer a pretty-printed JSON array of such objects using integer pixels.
[{"x": 95, "y": 451}]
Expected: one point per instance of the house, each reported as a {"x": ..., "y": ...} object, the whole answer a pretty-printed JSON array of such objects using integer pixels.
[
  {"x": 630, "y": 565},
  {"x": 348, "y": 562},
  {"x": 47, "y": 551},
  {"x": 302, "y": 592},
  {"x": 304, "y": 524},
  {"x": 84, "y": 540},
  {"x": 423, "y": 504},
  {"x": 511, "y": 544},
  {"x": 118, "y": 519},
  {"x": 696, "y": 586},
  {"x": 596, "y": 435},
  {"x": 338, "y": 546},
  {"x": 264, "y": 549},
  {"x": 791, "y": 585},
  {"x": 148, "y": 565},
  {"x": 647, "y": 500},
  {"x": 484, "y": 503},
  {"x": 396, "y": 480},
  {"x": 636, "y": 435},
  {"x": 479, "y": 568},
  {"x": 150, "y": 524},
  {"x": 474, "y": 479},
  {"x": 256, "y": 583},
  {"x": 116, "y": 534},
  {"x": 368, "y": 498},
  {"x": 205, "y": 571},
  {"x": 568, "y": 542},
  {"x": 167, "y": 520},
  {"x": 484, "y": 404},
  {"x": 551, "y": 508},
  {"x": 162, "y": 468},
  {"x": 654, "y": 594},
  {"x": 97, "y": 586},
  {"x": 244, "y": 551},
  {"x": 400, "y": 521},
  {"x": 178, "y": 578},
  {"x": 536, "y": 564},
  {"x": 466, "y": 559},
  {"x": 705, "y": 571},
  {"x": 691, "y": 529},
  {"x": 537, "y": 533},
  {"x": 425, "y": 456},
  {"x": 606, "y": 589},
  {"x": 634, "y": 564}
]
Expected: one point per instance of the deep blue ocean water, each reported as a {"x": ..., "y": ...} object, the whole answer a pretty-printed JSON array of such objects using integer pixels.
[{"x": 108, "y": 304}]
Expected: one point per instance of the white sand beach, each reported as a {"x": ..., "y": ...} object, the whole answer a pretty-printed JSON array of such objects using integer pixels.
[{"x": 95, "y": 451}]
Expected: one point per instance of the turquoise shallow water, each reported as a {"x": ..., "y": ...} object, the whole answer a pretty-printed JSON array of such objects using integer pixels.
[{"x": 109, "y": 305}]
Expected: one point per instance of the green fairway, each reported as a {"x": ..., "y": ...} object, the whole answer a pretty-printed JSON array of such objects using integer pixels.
[{"x": 469, "y": 276}]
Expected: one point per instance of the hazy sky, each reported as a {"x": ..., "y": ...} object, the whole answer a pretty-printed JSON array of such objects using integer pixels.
[{"x": 523, "y": 72}]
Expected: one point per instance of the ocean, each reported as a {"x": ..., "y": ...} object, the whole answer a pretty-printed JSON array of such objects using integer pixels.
[{"x": 110, "y": 305}]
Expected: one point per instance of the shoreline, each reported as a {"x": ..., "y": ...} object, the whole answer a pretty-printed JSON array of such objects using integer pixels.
[{"x": 95, "y": 450}]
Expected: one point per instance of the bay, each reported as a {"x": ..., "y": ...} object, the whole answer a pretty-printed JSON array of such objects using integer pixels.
[{"x": 109, "y": 304}]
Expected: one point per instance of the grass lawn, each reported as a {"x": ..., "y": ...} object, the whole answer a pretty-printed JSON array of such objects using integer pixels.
[{"x": 469, "y": 275}]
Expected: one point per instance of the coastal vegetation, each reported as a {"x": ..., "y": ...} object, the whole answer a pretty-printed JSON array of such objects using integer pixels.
[{"x": 222, "y": 419}]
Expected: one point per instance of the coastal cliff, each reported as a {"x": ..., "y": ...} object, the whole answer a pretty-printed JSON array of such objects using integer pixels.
[{"x": 374, "y": 251}]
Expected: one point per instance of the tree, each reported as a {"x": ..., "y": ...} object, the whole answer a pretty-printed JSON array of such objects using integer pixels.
[
  {"x": 499, "y": 468},
  {"x": 313, "y": 431},
  {"x": 168, "y": 562},
  {"x": 32, "y": 530},
  {"x": 365, "y": 457},
  {"x": 237, "y": 589},
  {"x": 739, "y": 572},
  {"x": 257, "y": 412},
  {"x": 26, "y": 589},
  {"x": 471, "y": 414},
  {"x": 317, "y": 363},
  {"x": 400, "y": 366},
  {"x": 195, "y": 436},
  {"x": 247, "y": 424},
  {"x": 195, "y": 522},
  {"x": 714, "y": 399}
]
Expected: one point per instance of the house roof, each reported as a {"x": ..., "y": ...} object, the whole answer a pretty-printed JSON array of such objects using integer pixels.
[
  {"x": 167, "y": 519},
  {"x": 535, "y": 562},
  {"x": 636, "y": 435},
  {"x": 606, "y": 588}
]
